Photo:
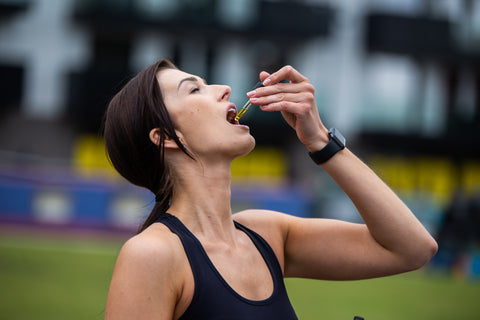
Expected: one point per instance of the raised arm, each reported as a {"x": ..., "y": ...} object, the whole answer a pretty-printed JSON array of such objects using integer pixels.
[{"x": 391, "y": 241}]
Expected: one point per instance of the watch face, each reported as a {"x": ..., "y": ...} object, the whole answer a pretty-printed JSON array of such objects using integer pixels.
[{"x": 338, "y": 137}]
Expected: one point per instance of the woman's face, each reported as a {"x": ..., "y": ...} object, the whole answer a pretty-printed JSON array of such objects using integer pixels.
[{"x": 204, "y": 116}]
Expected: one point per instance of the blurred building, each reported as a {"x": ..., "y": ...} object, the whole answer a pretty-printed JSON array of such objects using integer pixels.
[{"x": 400, "y": 78}]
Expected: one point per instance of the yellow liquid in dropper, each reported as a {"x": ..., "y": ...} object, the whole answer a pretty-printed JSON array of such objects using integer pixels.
[
  {"x": 247, "y": 104},
  {"x": 242, "y": 111}
]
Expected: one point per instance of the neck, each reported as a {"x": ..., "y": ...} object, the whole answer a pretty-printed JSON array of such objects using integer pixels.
[{"x": 202, "y": 200}]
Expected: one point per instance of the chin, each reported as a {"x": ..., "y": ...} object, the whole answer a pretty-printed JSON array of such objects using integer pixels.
[{"x": 247, "y": 147}]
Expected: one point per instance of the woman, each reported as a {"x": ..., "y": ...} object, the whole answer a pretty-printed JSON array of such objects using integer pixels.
[{"x": 172, "y": 133}]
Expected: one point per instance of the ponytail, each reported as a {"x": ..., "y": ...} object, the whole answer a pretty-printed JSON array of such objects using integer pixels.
[
  {"x": 162, "y": 201},
  {"x": 133, "y": 112}
]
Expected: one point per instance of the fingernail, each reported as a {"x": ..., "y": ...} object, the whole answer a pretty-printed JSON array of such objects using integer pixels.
[
  {"x": 251, "y": 93},
  {"x": 267, "y": 81},
  {"x": 254, "y": 100}
]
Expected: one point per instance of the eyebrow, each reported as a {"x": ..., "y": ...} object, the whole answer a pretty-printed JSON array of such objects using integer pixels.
[{"x": 188, "y": 79}]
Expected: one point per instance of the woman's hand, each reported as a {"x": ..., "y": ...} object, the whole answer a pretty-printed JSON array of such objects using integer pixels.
[
  {"x": 392, "y": 239},
  {"x": 296, "y": 102}
]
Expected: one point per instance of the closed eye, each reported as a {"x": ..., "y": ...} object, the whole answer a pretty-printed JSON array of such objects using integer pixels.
[{"x": 195, "y": 90}]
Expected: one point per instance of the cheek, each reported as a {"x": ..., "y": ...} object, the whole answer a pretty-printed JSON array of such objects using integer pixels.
[
  {"x": 202, "y": 134},
  {"x": 201, "y": 130},
  {"x": 205, "y": 137},
  {"x": 192, "y": 126},
  {"x": 187, "y": 119},
  {"x": 183, "y": 120}
]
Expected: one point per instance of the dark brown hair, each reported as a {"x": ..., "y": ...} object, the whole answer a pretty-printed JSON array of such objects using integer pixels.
[{"x": 133, "y": 112}]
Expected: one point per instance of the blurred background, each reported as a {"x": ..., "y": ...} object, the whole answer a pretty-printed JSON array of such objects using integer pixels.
[{"x": 399, "y": 78}]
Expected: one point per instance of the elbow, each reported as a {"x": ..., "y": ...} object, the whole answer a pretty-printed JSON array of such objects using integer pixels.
[
  {"x": 431, "y": 248},
  {"x": 424, "y": 254}
]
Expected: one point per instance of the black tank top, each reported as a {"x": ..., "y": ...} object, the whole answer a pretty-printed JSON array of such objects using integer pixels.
[{"x": 213, "y": 297}]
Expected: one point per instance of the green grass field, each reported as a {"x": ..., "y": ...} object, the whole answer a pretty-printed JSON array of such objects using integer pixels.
[{"x": 67, "y": 278}]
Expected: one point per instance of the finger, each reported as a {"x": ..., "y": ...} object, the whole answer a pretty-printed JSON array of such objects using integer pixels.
[
  {"x": 278, "y": 97},
  {"x": 288, "y": 106},
  {"x": 279, "y": 88},
  {"x": 264, "y": 75},
  {"x": 293, "y": 103},
  {"x": 287, "y": 72},
  {"x": 274, "y": 89}
]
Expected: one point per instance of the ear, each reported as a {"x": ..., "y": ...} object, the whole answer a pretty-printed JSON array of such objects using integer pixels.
[{"x": 155, "y": 138}]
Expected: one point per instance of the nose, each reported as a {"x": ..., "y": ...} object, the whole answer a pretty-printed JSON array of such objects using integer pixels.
[{"x": 224, "y": 93}]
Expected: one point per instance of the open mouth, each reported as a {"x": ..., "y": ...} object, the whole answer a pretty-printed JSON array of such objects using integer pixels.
[{"x": 231, "y": 113}]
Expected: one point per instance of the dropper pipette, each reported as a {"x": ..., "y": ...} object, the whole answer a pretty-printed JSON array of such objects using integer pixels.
[{"x": 247, "y": 104}]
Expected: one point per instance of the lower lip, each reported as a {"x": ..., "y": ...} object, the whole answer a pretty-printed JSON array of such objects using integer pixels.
[{"x": 241, "y": 126}]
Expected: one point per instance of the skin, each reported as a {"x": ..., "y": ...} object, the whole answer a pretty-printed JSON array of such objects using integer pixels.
[{"x": 152, "y": 277}]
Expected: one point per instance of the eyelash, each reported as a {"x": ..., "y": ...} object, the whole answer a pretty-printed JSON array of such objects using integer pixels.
[{"x": 195, "y": 90}]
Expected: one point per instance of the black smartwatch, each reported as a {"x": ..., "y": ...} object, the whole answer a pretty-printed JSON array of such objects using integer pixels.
[{"x": 337, "y": 142}]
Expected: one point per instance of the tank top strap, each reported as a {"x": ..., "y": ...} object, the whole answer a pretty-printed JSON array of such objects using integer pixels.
[
  {"x": 265, "y": 250},
  {"x": 191, "y": 245}
]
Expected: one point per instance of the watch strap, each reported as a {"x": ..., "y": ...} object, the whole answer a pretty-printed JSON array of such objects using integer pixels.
[{"x": 332, "y": 147}]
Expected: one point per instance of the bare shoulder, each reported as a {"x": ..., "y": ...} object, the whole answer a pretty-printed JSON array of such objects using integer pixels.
[
  {"x": 147, "y": 270},
  {"x": 259, "y": 218},
  {"x": 151, "y": 253},
  {"x": 155, "y": 245}
]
